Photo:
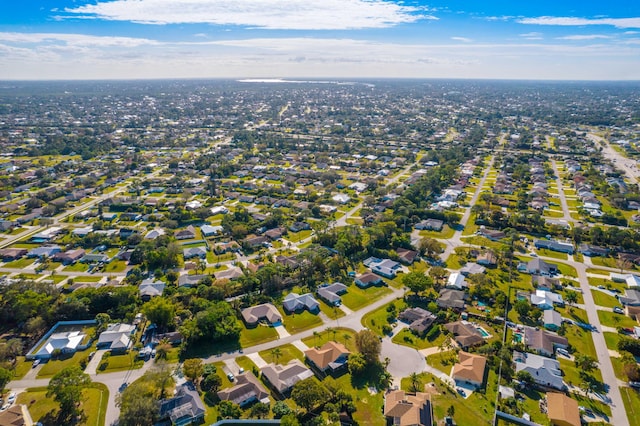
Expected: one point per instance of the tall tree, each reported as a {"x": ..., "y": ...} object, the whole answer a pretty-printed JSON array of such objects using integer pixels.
[
  {"x": 66, "y": 388},
  {"x": 368, "y": 345},
  {"x": 193, "y": 369},
  {"x": 309, "y": 393}
]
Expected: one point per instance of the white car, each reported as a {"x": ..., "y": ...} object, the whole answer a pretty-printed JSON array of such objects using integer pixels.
[{"x": 11, "y": 398}]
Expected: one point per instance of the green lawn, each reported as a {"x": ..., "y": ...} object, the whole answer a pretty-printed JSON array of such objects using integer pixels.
[
  {"x": 50, "y": 368},
  {"x": 22, "y": 367},
  {"x": 355, "y": 297},
  {"x": 288, "y": 352},
  {"x": 254, "y": 336},
  {"x": 20, "y": 263},
  {"x": 297, "y": 322},
  {"x": 572, "y": 373},
  {"x": 332, "y": 312},
  {"x": 77, "y": 267},
  {"x": 43, "y": 409},
  {"x": 244, "y": 362},
  {"x": 607, "y": 261},
  {"x": 115, "y": 266},
  {"x": 443, "y": 361},
  {"x": 598, "y": 271},
  {"x": 615, "y": 320},
  {"x": 87, "y": 279},
  {"x": 374, "y": 320},
  {"x": 123, "y": 362},
  {"x": 631, "y": 399},
  {"x": 581, "y": 340},
  {"x": 604, "y": 299},
  {"x": 554, "y": 254},
  {"x": 611, "y": 339},
  {"x": 445, "y": 234},
  {"x": 341, "y": 334},
  {"x": 407, "y": 338},
  {"x": 567, "y": 270}
]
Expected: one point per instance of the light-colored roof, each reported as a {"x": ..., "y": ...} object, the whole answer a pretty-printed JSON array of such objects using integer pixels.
[
  {"x": 283, "y": 377},
  {"x": 561, "y": 408},
  {"x": 247, "y": 387},
  {"x": 469, "y": 367},
  {"x": 64, "y": 341},
  {"x": 325, "y": 355},
  {"x": 266, "y": 310}
]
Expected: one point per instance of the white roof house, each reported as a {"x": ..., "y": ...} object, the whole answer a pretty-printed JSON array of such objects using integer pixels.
[
  {"x": 341, "y": 198},
  {"x": 154, "y": 233},
  {"x": 546, "y": 299},
  {"x": 67, "y": 342},
  {"x": 219, "y": 210},
  {"x": 192, "y": 205},
  {"x": 456, "y": 280},
  {"x": 116, "y": 336}
]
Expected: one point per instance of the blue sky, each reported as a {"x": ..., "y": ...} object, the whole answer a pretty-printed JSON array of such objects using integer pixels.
[{"x": 510, "y": 39}]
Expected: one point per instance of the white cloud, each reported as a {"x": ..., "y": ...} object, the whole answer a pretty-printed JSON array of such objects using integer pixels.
[
  {"x": 573, "y": 21},
  {"x": 531, "y": 36},
  {"x": 74, "y": 39},
  {"x": 266, "y": 14},
  {"x": 584, "y": 37},
  {"x": 464, "y": 39}
]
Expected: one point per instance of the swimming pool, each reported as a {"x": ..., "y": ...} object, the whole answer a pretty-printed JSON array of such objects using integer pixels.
[
  {"x": 517, "y": 337},
  {"x": 483, "y": 332}
]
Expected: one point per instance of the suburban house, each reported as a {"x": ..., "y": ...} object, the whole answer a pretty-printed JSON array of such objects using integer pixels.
[
  {"x": 385, "y": 267},
  {"x": 246, "y": 391},
  {"x": 407, "y": 256},
  {"x": 210, "y": 231},
  {"x": 43, "y": 251},
  {"x": 331, "y": 293},
  {"x": 368, "y": 279},
  {"x": 232, "y": 273},
  {"x": 538, "y": 267},
  {"x": 294, "y": 302},
  {"x": 329, "y": 358},
  {"x": 185, "y": 408},
  {"x": 117, "y": 337},
  {"x": 562, "y": 410},
  {"x": 554, "y": 246},
  {"x": 470, "y": 370},
  {"x": 545, "y": 299},
  {"x": 631, "y": 297},
  {"x": 545, "y": 371},
  {"x": 10, "y": 254},
  {"x": 488, "y": 258},
  {"x": 450, "y": 298},
  {"x": 456, "y": 280},
  {"x": 491, "y": 234},
  {"x": 190, "y": 280},
  {"x": 430, "y": 225},
  {"x": 552, "y": 319},
  {"x": 406, "y": 409},
  {"x": 283, "y": 377},
  {"x": 545, "y": 283},
  {"x": 465, "y": 334},
  {"x": 593, "y": 251},
  {"x": 16, "y": 415},
  {"x": 191, "y": 252},
  {"x": 471, "y": 268},
  {"x": 631, "y": 279},
  {"x": 188, "y": 233},
  {"x": 264, "y": 312},
  {"x": 419, "y": 320},
  {"x": 68, "y": 257},
  {"x": 66, "y": 342},
  {"x": 543, "y": 342},
  {"x": 149, "y": 288}
]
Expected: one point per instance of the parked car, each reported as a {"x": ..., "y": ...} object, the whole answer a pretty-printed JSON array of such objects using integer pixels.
[
  {"x": 618, "y": 310},
  {"x": 11, "y": 398},
  {"x": 231, "y": 377},
  {"x": 35, "y": 363},
  {"x": 635, "y": 385}
]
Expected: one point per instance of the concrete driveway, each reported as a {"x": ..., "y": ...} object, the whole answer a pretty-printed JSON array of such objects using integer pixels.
[{"x": 404, "y": 360}]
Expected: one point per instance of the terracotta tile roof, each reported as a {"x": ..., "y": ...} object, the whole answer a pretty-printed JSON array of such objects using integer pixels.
[
  {"x": 407, "y": 409},
  {"x": 328, "y": 353},
  {"x": 469, "y": 367},
  {"x": 562, "y": 410}
]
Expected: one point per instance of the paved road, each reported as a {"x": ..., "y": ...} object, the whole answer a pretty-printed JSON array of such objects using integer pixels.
[
  {"x": 566, "y": 215},
  {"x": 627, "y": 165}
]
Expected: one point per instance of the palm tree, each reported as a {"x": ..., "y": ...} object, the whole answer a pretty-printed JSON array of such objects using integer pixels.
[
  {"x": 315, "y": 338},
  {"x": 332, "y": 331},
  {"x": 276, "y": 353},
  {"x": 415, "y": 382},
  {"x": 346, "y": 337}
]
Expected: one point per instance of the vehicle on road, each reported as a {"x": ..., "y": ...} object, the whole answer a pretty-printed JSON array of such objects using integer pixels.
[{"x": 635, "y": 385}]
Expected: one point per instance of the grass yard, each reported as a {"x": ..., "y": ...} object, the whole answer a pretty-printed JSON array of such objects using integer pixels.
[
  {"x": 115, "y": 266},
  {"x": 445, "y": 234},
  {"x": 244, "y": 362},
  {"x": 332, "y": 312},
  {"x": 553, "y": 254},
  {"x": 254, "y": 336},
  {"x": 572, "y": 373},
  {"x": 355, "y": 297},
  {"x": 44, "y": 409},
  {"x": 581, "y": 340},
  {"x": 77, "y": 267},
  {"x": 87, "y": 279},
  {"x": 297, "y": 322},
  {"x": 443, "y": 361},
  {"x": 124, "y": 362},
  {"x": 567, "y": 270},
  {"x": 374, "y": 320},
  {"x": 52, "y": 367},
  {"x": 407, "y": 338},
  {"x": 20, "y": 263},
  {"x": 608, "y": 261},
  {"x": 598, "y": 271},
  {"x": 340, "y": 336},
  {"x": 611, "y": 319},
  {"x": 604, "y": 299},
  {"x": 631, "y": 399},
  {"x": 22, "y": 367},
  {"x": 288, "y": 352},
  {"x": 611, "y": 339}
]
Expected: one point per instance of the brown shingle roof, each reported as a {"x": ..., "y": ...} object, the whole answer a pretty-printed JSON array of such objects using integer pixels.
[
  {"x": 465, "y": 334},
  {"x": 266, "y": 310},
  {"x": 469, "y": 368},
  {"x": 407, "y": 409},
  {"x": 562, "y": 410},
  {"x": 325, "y": 355}
]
